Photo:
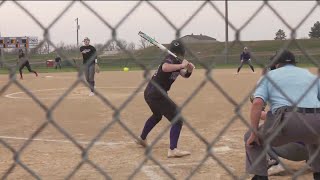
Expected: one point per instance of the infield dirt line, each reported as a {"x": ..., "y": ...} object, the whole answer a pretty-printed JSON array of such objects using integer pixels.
[{"x": 68, "y": 142}]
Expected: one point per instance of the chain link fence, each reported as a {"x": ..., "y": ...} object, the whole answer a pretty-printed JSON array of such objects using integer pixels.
[{"x": 209, "y": 67}]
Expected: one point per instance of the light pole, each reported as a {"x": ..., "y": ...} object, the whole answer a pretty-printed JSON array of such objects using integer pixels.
[
  {"x": 78, "y": 27},
  {"x": 227, "y": 31},
  {"x": 1, "y": 54}
]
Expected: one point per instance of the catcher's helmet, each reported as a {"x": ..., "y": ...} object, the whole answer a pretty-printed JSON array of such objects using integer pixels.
[
  {"x": 285, "y": 57},
  {"x": 177, "y": 48}
]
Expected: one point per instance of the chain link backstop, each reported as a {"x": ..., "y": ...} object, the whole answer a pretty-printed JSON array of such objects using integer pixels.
[{"x": 208, "y": 67}]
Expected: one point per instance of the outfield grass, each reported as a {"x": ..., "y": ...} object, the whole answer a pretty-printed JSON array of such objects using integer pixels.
[
  {"x": 212, "y": 55},
  {"x": 136, "y": 68}
]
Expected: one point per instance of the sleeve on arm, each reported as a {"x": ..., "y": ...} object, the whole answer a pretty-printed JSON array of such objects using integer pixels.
[
  {"x": 168, "y": 60},
  {"x": 262, "y": 89}
]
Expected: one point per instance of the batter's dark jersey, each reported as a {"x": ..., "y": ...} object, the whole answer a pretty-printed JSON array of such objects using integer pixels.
[
  {"x": 163, "y": 79},
  {"x": 245, "y": 56},
  {"x": 90, "y": 55}
]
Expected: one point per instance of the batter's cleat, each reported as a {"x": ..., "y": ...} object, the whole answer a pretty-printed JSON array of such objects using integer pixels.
[
  {"x": 36, "y": 74},
  {"x": 275, "y": 169},
  {"x": 176, "y": 153},
  {"x": 141, "y": 142},
  {"x": 91, "y": 94}
]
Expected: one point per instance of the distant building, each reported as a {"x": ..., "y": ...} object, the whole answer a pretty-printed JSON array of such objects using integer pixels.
[{"x": 197, "y": 39}]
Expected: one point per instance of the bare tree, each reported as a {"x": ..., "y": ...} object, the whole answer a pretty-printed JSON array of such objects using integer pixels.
[
  {"x": 46, "y": 48},
  {"x": 122, "y": 44},
  {"x": 112, "y": 46},
  {"x": 144, "y": 43},
  {"x": 131, "y": 46}
]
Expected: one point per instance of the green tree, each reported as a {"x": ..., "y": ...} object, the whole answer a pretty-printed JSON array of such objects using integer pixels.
[
  {"x": 280, "y": 35},
  {"x": 315, "y": 30}
]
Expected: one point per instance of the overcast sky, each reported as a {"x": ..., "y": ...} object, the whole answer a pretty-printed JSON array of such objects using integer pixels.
[{"x": 15, "y": 22}]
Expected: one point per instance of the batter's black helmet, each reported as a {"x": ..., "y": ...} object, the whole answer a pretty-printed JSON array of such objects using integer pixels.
[{"x": 177, "y": 48}]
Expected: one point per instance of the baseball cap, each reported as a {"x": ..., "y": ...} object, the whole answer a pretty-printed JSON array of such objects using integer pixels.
[
  {"x": 245, "y": 48},
  {"x": 86, "y": 38},
  {"x": 285, "y": 57}
]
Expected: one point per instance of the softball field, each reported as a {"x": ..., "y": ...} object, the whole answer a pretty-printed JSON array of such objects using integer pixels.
[{"x": 52, "y": 155}]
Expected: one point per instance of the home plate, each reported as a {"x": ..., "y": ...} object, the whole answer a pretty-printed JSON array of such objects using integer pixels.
[
  {"x": 48, "y": 76},
  {"x": 221, "y": 149}
]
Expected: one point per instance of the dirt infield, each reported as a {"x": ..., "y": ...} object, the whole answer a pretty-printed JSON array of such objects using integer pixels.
[{"x": 53, "y": 156}]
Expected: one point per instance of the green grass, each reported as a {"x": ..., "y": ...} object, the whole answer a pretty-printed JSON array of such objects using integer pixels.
[
  {"x": 135, "y": 68},
  {"x": 207, "y": 54}
]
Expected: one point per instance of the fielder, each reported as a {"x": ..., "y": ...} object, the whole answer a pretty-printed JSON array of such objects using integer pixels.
[
  {"x": 297, "y": 124},
  {"x": 160, "y": 104},
  {"x": 90, "y": 62},
  {"x": 24, "y": 62},
  {"x": 57, "y": 62},
  {"x": 245, "y": 58}
]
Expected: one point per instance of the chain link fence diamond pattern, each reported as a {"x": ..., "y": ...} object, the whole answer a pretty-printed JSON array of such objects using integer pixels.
[{"x": 85, "y": 149}]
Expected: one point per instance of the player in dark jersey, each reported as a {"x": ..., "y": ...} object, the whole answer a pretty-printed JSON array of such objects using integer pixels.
[
  {"x": 57, "y": 62},
  {"x": 158, "y": 101},
  {"x": 89, "y": 55},
  {"x": 245, "y": 58},
  {"x": 24, "y": 62}
]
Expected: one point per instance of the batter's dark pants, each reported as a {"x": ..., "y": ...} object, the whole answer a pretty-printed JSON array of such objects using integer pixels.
[
  {"x": 300, "y": 127},
  {"x": 26, "y": 64},
  {"x": 89, "y": 72},
  {"x": 162, "y": 106}
]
